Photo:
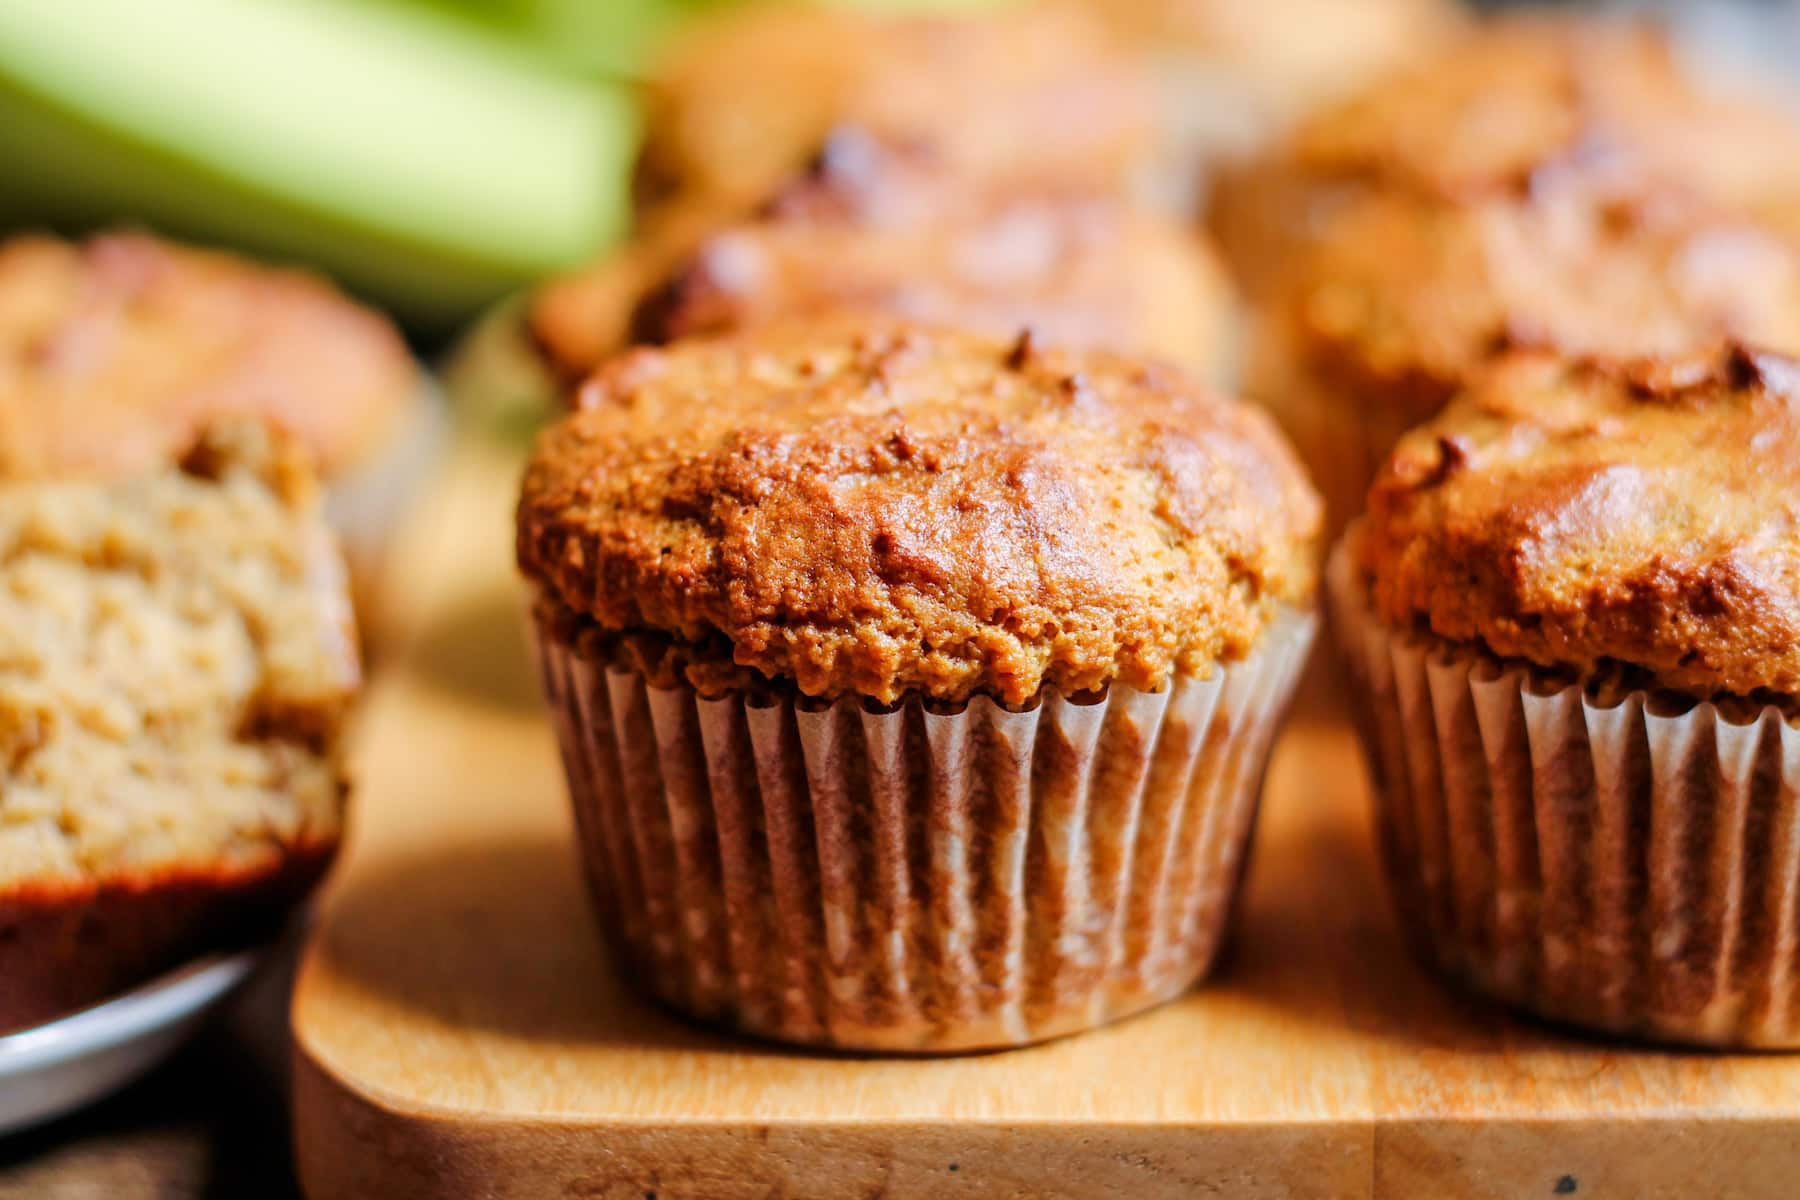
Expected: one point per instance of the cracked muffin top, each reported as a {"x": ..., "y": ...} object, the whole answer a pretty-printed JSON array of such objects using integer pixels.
[
  {"x": 1033, "y": 92},
  {"x": 1588, "y": 516},
  {"x": 176, "y": 663},
  {"x": 1409, "y": 297},
  {"x": 875, "y": 509},
  {"x": 116, "y": 352}
]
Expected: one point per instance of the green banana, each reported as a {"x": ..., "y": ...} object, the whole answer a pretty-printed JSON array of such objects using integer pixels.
[{"x": 426, "y": 164}]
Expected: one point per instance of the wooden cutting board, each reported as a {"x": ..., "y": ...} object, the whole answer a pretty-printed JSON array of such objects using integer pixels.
[{"x": 459, "y": 1032}]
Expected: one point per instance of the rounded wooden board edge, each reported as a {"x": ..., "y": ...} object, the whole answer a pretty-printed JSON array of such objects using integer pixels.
[{"x": 350, "y": 1146}]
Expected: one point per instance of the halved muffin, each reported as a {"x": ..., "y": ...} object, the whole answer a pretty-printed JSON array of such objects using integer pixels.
[{"x": 177, "y": 656}]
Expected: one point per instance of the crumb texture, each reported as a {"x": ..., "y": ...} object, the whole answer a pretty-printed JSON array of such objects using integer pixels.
[
  {"x": 879, "y": 509},
  {"x": 1590, "y": 517},
  {"x": 176, "y": 659}
]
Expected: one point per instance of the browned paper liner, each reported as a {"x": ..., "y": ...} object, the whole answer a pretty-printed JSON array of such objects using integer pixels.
[
  {"x": 911, "y": 880},
  {"x": 1605, "y": 865}
]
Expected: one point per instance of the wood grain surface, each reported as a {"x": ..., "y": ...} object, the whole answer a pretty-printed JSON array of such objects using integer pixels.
[{"x": 459, "y": 1031}]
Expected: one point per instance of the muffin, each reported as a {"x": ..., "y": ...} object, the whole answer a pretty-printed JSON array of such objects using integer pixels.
[
  {"x": 873, "y": 229},
  {"x": 1491, "y": 113},
  {"x": 1571, "y": 623},
  {"x": 1408, "y": 298},
  {"x": 1232, "y": 76},
  {"x": 1081, "y": 271},
  {"x": 116, "y": 352},
  {"x": 912, "y": 135},
  {"x": 176, "y": 659},
  {"x": 914, "y": 687},
  {"x": 745, "y": 98}
]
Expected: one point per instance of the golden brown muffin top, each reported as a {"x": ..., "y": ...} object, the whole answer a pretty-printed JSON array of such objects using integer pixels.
[
  {"x": 176, "y": 665},
  {"x": 872, "y": 230},
  {"x": 1025, "y": 92},
  {"x": 1585, "y": 516},
  {"x": 1408, "y": 296},
  {"x": 877, "y": 509},
  {"x": 116, "y": 352},
  {"x": 1526, "y": 92}
]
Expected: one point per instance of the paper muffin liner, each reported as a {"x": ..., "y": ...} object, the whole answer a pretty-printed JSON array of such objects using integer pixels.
[
  {"x": 365, "y": 503},
  {"x": 915, "y": 879},
  {"x": 1613, "y": 863}
]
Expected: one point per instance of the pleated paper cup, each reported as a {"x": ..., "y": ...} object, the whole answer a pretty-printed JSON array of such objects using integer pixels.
[
  {"x": 1625, "y": 863},
  {"x": 916, "y": 879}
]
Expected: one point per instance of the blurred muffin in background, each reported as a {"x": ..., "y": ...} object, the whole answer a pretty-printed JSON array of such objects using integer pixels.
[
  {"x": 1409, "y": 297},
  {"x": 117, "y": 351},
  {"x": 1029, "y": 93},
  {"x": 177, "y": 659},
  {"x": 571, "y": 323},
  {"x": 873, "y": 228},
  {"x": 1516, "y": 97},
  {"x": 979, "y": 170},
  {"x": 1233, "y": 74}
]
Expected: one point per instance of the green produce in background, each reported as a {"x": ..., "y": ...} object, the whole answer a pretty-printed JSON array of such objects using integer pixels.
[
  {"x": 432, "y": 155},
  {"x": 426, "y": 164},
  {"x": 617, "y": 37},
  {"x": 613, "y": 38}
]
